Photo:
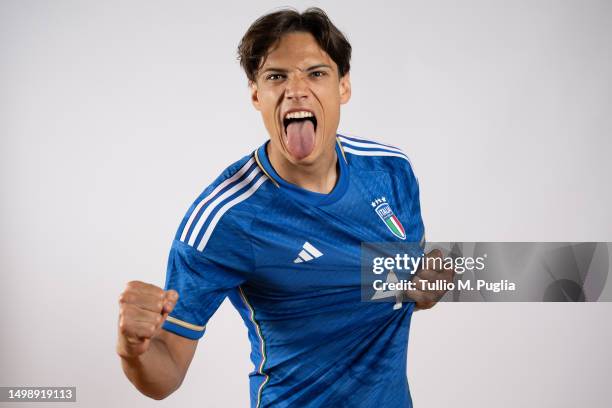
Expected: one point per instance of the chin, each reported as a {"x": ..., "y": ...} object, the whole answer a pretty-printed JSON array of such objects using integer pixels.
[{"x": 311, "y": 158}]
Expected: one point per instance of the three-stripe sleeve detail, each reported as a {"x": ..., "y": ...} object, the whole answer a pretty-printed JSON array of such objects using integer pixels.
[
  {"x": 208, "y": 211},
  {"x": 362, "y": 147}
]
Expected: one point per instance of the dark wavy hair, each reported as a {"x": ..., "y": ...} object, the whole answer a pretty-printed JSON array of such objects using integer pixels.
[{"x": 268, "y": 29}]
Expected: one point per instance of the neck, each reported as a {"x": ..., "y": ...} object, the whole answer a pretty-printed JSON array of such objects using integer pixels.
[{"x": 320, "y": 177}]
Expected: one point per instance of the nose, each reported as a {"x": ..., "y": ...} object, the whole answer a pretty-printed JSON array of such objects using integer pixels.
[{"x": 297, "y": 87}]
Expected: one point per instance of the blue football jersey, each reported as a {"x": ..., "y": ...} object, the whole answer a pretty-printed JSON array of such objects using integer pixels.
[{"x": 289, "y": 261}]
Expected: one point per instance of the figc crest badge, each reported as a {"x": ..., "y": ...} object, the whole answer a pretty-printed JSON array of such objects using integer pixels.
[{"x": 384, "y": 211}]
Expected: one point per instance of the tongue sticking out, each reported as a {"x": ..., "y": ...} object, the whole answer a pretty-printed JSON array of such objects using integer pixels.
[{"x": 300, "y": 138}]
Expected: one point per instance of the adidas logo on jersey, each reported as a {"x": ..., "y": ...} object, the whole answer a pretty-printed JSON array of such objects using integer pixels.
[{"x": 307, "y": 253}]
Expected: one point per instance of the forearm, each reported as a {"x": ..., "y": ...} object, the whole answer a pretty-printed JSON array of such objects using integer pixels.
[{"x": 154, "y": 373}]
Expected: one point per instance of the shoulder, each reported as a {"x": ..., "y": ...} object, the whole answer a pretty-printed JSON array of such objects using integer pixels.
[
  {"x": 227, "y": 205},
  {"x": 374, "y": 156}
]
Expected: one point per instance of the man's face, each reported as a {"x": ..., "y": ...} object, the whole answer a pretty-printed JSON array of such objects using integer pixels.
[{"x": 298, "y": 75}]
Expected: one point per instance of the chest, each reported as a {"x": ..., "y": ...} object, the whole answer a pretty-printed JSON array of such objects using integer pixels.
[{"x": 300, "y": 248}]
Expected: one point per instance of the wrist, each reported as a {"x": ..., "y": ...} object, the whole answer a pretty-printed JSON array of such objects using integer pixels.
[{"x": 127, "y": 355}]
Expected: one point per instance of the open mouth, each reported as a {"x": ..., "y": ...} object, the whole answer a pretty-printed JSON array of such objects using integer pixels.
[
  {"x": 300, "y": 117},
  {"x": 300, "y": 133}
]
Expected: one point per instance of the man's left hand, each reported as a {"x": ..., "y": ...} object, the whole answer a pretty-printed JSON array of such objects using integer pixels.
[{"x": 426, "y": 298}]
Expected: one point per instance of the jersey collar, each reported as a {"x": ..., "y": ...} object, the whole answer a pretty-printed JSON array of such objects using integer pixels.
[{"x": 298, "y": 193}]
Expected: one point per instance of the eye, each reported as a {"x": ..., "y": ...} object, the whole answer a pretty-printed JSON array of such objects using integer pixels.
[
  {"x": 273, "y": 77},
  {"x": 318, "y": 74}
]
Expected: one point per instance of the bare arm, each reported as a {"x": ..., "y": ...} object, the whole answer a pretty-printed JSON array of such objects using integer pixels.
[
  {"x": 153, "y": 359},
  {"x": 160, "y": 371}
]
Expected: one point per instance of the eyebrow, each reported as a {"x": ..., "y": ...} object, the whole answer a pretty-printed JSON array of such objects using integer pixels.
[{"x": 307, "y": 69}]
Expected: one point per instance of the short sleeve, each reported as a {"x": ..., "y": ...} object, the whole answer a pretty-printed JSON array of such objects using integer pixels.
[{"x": 204, "y": 277}]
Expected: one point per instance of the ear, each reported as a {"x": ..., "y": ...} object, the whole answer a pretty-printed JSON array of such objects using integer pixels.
[
  {"x": 345, "y": 88},
  {"x": 254, "y": 94}
]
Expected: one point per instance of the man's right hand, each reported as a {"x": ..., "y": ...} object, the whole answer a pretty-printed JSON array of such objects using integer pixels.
[{"x": 142, "y": 310}]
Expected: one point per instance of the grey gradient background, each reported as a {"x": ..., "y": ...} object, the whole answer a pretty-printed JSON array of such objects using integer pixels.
[{"x": 114, "y": 115}]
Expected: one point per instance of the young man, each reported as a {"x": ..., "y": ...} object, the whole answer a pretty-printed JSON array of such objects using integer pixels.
[{"x": 279, "y": 233}]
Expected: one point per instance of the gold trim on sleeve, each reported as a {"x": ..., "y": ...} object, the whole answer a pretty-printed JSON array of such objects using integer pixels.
[{"x": 185, "y": 324}]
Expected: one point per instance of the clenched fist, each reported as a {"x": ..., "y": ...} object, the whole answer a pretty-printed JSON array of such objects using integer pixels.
[
  {"x": 142, "y": 310},
  {"x": 424, "y": 297}
]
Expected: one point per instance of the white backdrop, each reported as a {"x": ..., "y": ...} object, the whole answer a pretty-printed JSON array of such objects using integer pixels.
[{"x": 115, "y": 115}]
